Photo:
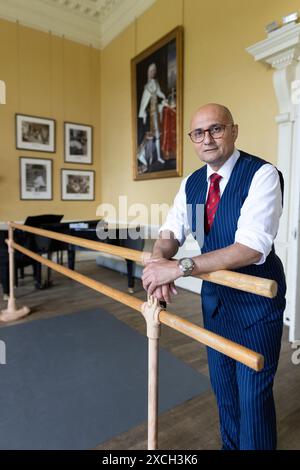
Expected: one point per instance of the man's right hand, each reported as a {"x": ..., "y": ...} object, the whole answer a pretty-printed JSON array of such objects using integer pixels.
[
  {"x": 165, "y": 248},
  {"x": 164, "y": 292}
]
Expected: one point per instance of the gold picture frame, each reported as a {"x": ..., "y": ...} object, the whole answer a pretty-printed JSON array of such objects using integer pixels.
[{"x": 157, "y": 107}]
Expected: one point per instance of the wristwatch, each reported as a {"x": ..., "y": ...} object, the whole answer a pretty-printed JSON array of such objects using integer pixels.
[{"x": 186, "y": 265}]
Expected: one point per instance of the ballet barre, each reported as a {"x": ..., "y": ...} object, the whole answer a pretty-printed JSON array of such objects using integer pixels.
[{"x": 151, "y": 310}]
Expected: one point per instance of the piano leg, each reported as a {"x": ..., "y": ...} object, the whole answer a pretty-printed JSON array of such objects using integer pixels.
[
  {"x": 71, "y": 257},
  {"x": 130, "y": 277},
  {"x": 49, "y": 282},
  {"x": 41, "y": 283},
  {"x": 4, "y": 277},
  {"x": 37, "y": 270}
]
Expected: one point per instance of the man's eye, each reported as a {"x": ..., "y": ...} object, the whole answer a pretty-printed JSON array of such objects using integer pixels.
[
  {"x": 216, "y": 129},
  {"x": 198, "y": 132}
]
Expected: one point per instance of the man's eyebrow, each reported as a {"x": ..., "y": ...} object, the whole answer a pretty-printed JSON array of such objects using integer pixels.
[{"x": 214, "y": 124}]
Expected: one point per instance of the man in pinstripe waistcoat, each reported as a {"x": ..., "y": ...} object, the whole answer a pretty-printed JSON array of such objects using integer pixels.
[{"x": 242, "y": 199}]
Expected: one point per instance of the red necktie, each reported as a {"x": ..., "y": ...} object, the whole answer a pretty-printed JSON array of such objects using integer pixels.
[{"x": 213, "y": 200}]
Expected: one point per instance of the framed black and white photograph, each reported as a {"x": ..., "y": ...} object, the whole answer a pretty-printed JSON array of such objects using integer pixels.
[
  {"x": 35, "y": 178},
  {"x": 156, "y": 82},
  {"x": 35, "y": 133},
  {"x": 78, "y": 143},
  {"x": 77, "y": 185}
]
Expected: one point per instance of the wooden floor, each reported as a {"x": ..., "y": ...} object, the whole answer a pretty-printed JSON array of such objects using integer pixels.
[{"x": 193, "y": 424}]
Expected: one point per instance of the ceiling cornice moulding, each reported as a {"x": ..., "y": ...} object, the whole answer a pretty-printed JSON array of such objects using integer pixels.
[{"x": 90, "y": 22}]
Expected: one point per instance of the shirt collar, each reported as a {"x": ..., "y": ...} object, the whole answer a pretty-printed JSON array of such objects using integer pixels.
[{"x": 226, "y": 168}]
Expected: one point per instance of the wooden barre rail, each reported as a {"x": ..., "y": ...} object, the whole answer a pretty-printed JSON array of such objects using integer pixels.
[
  {"x": 235, "y": 351},
  {"x": 244, "y": 282},
  {"x": 127, "y": 253}
]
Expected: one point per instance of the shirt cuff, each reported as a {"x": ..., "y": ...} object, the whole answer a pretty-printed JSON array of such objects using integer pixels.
[
  {"x": 261, "y": 242},
  {"x": 179, "y": 235}
]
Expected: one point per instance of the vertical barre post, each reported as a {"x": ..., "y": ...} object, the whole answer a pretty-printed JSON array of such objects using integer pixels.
[
  {"x": 150, "y": 311},
  {"x": 12, "y": 313},
  {"x": 153, "y": 393}
]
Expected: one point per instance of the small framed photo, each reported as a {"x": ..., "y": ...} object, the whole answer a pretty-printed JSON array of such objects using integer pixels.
[
  {"x": 77, "y": 185},
  {"x": 78, "y": 143},
  {"x": 35, "y": 133},
  {"x": 35, "y": 178}
]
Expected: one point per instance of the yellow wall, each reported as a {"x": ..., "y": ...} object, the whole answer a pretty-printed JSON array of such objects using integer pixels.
[
  {"x": 216, "y": 68},
  {"x": 51, "y": 77}
]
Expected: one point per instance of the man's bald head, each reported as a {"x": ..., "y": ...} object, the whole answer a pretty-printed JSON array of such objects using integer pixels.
[{"x": 222, "y": 111}]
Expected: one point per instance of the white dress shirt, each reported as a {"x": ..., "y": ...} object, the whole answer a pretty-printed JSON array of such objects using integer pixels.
[{"x": 259, "y": 219}]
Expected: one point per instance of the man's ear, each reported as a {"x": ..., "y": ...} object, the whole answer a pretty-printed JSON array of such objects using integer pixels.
[{"x": 235, "y": 131}]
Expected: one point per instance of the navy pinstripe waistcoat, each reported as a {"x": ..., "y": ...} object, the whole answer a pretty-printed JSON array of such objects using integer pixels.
[{"x": 247, "y": 308}]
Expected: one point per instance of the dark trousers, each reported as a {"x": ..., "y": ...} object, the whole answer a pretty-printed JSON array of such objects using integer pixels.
[{"x": 245, "y": 397}]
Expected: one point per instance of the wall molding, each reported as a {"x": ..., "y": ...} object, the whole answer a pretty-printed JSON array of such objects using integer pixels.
[
  {"x": 88, "y": 22},
  {"x": 2, "y": 92},
  {"x": 282, "y": 39},
  {"x": 281, "y": 50}
]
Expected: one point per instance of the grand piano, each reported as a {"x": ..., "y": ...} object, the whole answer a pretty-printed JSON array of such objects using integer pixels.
[{"x": 88, "y": 229}]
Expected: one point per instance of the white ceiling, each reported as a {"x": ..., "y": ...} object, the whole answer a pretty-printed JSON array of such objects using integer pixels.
[{"x": 94, "y": 22}]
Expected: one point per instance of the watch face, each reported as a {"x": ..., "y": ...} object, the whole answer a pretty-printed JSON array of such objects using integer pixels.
[{"x": 187, "y": 263}]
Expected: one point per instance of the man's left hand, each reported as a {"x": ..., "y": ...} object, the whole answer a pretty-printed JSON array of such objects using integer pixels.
[{"x": 158, "y": 272}]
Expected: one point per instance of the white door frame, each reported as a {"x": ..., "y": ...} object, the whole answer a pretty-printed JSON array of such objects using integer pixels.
[{"x": 281, "y": 50}]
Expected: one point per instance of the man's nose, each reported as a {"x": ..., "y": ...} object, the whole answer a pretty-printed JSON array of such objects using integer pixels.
[{"x": 207, "y": 137}]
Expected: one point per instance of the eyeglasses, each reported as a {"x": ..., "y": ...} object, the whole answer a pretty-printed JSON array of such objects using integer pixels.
[{"x": 216, "y": 131}]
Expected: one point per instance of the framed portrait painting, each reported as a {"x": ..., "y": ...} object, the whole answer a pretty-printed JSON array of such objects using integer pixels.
[
  {"x": 156, "y": 78},
  {"x": 35, "y": 178},
  {"x": 77, "y": 185},
  {"x": 35, "y": 133},
  {"x": 78, "y": 143}
]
